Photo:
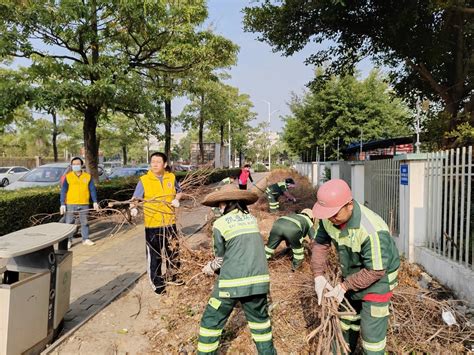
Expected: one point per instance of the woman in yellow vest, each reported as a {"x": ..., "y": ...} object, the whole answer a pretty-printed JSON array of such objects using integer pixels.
[
  {"x": 161, "y": 193},
  {"x": 78, "y": 188}
]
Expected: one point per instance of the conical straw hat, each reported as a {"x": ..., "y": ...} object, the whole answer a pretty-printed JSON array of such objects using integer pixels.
[{"x": 229, "y": 193}]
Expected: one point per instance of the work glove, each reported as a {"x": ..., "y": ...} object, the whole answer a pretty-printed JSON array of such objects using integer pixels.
[
  {"x": 207, "y": 269},
  {"x": 175, "y": 203},
  {"x": 95, "y": 205},
  {"x": 62, "y": 210},
  {"x": 321, "y": 284},
  {"x": 213, "y": 265},
  {"x": 337, "y": 292},
  {"x": 133, "y": 212}
]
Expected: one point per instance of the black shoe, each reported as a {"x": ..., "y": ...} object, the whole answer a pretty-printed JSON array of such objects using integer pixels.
[{"x": 160, "y": 290}]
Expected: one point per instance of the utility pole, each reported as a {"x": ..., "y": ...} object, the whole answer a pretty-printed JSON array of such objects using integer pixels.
[
  {"x": 269, "y": 140},
  {"x": 324, "y": 152},
  {"x": 229, "y": 145},
  {"x": 361, "y": 134}
]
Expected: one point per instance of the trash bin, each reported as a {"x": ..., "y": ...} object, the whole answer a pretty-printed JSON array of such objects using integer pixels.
[{"x": 35, "y": 287}]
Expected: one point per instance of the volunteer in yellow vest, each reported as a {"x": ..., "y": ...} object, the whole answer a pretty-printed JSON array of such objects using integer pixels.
[
  {"x": 78, "y": 188},
  {"x": 161, "y": 193}
]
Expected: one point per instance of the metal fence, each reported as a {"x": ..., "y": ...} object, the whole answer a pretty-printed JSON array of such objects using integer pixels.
[
  {"x": 345, "y": 172},
  {"x": 382, "y": 191},
  {"x": 449, "y": 197}
]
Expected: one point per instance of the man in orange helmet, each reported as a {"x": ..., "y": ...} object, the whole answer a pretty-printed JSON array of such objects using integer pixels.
[{"x": 369, "y": 262}]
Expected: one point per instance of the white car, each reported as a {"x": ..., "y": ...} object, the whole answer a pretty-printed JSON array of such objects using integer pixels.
[
  {"x": 11, "y": 174},
  {"x": 45, "y": 175}
]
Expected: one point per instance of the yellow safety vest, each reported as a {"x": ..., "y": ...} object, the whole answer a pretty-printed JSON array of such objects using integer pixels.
[
  {"x": 78, "y": 190},
  {"x": 158, "y": 212}
]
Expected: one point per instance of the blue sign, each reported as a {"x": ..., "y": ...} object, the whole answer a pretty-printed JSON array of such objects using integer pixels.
[{"x": 403, "y": 174}]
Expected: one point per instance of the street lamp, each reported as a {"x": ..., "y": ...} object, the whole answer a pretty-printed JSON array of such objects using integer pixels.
[{"x": 269, "y": 141}]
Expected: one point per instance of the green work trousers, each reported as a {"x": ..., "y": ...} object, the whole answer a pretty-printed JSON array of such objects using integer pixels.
[
  {"x": 218, "y": 311},
  {"x": 289, "y": 232},
  {"x": 371, "y": 322},
  {"x": 273, "y": 203}
]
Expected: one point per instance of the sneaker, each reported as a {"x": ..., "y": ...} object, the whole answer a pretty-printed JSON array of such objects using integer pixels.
[
  {"x": 69, "y": 244},
  {"x": 88, "y": 242}
]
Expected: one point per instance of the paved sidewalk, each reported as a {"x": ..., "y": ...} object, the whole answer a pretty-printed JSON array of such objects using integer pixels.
[{"x": 102, "y": 272}]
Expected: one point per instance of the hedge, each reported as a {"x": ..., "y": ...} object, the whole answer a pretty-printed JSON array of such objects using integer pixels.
[{"x": 16, "y": 207}]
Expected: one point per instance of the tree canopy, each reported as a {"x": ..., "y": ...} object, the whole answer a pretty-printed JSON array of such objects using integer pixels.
[
  {"x": 344, "y": 108},
  {"x": 428, "y": 44}
]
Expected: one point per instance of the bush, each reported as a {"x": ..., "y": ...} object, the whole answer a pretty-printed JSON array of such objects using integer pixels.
[
  {"x": 260, "y": 168},
  {"x": 16, "y": 207}
]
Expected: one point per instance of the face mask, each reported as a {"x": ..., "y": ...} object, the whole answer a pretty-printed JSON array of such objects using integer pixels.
[{"x": 76, "y": 168}]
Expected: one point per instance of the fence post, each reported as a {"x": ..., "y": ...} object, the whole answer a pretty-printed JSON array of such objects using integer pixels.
[
  {"x": 315, "y": 175},
  {"x": 38, "y": 161},
  {"x": 413, "y": 204},
  {"x": 357, "y": 181},
  {"x": 335, "y": 170}
]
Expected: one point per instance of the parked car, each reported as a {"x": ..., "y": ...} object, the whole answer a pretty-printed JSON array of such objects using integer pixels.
[
  {"x": 111, "y": 165},
  {"x": 10, "y": 174},
  {"x": 45, "y": 175},
  {"x": 124, "y": 172}
]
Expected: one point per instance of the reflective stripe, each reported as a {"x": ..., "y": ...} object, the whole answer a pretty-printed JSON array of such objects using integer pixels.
[
  {"x": 292, "y": 220},
  {"x": 379, "y": 346},
  {"x": 207, "y": 348},
  {"x": 310, "y": 223},
  {"x": 205, "y": 332},
  {"x": 244, "y": 281},
  {"x": 345, "y": 326},
  {"x": 392, "y": 286},
  {"x": 262, "y": 337},
  {"x": 255, "y": 325},
  {"x": 298, "y": 250},
  {"x": 214, "y": 303},
  {"x": 351, "y": 318},
  {"x": 241, "y": 230},
  {"x": 376, "y": 252},
  {"x": 281, "y": 184},
  {"x": 392, "y": 276},
  {"x": 269, "y": 250},
  {"x": 298, "y": 256}
]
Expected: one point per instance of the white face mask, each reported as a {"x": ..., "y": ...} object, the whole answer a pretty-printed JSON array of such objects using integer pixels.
[{"x": 76, "y": 168}]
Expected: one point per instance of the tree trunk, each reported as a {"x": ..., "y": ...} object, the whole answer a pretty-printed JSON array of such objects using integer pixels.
[
  {"x": 91, "y": 146},
  {"x": 168, "y": 127},
  {"x": 201, "y": 130},
  {"x": 124, "y": 154},
  {"x": 240, "y": 158},
  {"x": 55, "y": 135},
  {"x": 222, "y": 144}
]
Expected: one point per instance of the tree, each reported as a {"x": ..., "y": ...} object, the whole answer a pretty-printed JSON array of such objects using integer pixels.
[
  {"x": 427, "y": 43},
  {"x": 95, "y": 49},
  {"x": 120, "y": 134},
  {"x": 342, "y": 109}
]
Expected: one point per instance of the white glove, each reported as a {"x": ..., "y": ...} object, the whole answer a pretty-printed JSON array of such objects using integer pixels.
[
  {"x": 207, "y": 269},
  {"x": 95, "y": 205},
  {"x": 321, "y": 284},
  {"x": 62, "y": 210},
  {"x": 337, "y": 292},
  {"x": 175, "y": 203},
  {"x": 133, "y": 212}
]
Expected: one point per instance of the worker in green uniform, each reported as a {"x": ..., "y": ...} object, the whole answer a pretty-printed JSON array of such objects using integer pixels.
[
  {"x": 369, "y": 261},
  {"x": 243, "y": 272},
  {"x": 274, "y": 191},
  {"x": 292, "y": 229}
]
